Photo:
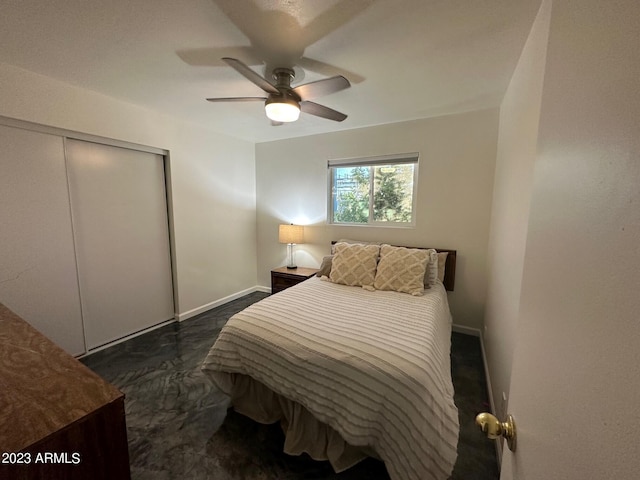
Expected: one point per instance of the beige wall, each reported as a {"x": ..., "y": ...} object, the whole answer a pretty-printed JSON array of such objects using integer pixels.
[
  {"x": 457, "y": 158},
  {"x": 517, "y": 139},
  {"x": 212, "y": 178}
]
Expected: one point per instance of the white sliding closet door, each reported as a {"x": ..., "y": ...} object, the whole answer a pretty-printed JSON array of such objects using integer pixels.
[
  {"x": 119, "y": 213},
  {"x": 37, "y": 263}
]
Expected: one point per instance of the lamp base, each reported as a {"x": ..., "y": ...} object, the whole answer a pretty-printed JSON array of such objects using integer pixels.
[{"x": 291, "y": 263}]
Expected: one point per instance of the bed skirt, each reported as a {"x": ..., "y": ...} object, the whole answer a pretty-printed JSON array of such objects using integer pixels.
[{"x": 303, "y": 432}]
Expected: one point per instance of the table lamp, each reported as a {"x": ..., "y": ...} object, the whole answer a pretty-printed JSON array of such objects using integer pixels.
[{"x": 291, "y": 234}]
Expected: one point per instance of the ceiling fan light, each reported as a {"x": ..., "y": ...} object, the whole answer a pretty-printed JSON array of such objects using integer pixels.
[{"x": 282, "y": 110}]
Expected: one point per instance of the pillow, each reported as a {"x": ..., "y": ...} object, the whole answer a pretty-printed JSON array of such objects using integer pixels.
[
  {"x": 347, "y": 240},
  {"x": 402, "y": 269},
  {"x": 354, "y": 264},
  {"x": 442, "y": 261},
  {"x": 431, "y": 275},
  {"x": 325, "y": 267}
]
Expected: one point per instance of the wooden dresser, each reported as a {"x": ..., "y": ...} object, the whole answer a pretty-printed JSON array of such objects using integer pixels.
[{"x": 58, "y": 419}]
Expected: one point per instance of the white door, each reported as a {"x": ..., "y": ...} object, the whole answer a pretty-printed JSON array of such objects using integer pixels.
[
  {"x": 119, "y": 213},
  {"x": 575, "y": 387},
  {"x": 37, "y": 264}
]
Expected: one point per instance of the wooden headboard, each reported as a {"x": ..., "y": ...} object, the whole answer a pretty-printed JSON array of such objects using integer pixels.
[{"x": 449, "y": 267}]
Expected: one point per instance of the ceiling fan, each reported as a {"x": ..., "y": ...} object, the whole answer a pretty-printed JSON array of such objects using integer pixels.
[{"x": 283, "y": 102}]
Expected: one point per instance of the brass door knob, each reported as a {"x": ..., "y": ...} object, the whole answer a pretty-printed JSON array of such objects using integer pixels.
[{"x": 494, "y": 428}]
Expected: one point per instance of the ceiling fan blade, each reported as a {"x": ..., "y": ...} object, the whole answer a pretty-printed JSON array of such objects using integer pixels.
[
  {"x": 236, "y": 99},
  {"x": 250, "y": 75},
  {"x": 321, "y": 87},
  {"x": 322, "y": 111}
]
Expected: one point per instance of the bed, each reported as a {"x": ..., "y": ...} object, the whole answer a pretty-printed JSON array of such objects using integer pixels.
[{"x": 350, "y": 371}]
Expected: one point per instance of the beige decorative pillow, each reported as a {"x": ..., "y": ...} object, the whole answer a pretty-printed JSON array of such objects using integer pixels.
[
  {"x": 442, "y": 261},
  {"x": 402, "y": 269},
  {"x": 350, "y": 241},
  {"x": 354, "y": 264}
]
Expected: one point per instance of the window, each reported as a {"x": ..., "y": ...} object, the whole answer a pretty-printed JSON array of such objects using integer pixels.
[{"x": 373, "y": 191}]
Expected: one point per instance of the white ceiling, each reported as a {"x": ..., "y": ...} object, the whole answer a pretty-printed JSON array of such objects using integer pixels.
[{"x": 406, "y": 59}]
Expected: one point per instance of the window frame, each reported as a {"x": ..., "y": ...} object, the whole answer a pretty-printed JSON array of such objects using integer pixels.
[{"x": 373, "y": 161}]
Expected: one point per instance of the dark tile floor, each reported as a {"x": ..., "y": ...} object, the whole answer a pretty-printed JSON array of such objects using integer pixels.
[{"x": 176, "y": 418}]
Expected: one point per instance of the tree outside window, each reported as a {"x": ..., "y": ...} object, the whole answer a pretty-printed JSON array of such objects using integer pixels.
[
  {"x": 374, "y": 194},
  {"x": 393, "y": 193}
]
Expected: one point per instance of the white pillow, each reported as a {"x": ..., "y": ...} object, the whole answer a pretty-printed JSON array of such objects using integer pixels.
[
  {"x": 442, "y": 261},
  {"x": 431, "y": 275}
]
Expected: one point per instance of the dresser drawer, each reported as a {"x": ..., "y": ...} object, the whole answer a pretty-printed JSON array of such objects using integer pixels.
[{"x": 283, "y": 278}]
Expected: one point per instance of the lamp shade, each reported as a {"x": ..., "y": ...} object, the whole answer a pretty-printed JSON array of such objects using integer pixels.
[{"x": 291, "y": 234}]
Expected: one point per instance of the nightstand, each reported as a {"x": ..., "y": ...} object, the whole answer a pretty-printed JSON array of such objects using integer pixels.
[{"x": 283, "y": 277}]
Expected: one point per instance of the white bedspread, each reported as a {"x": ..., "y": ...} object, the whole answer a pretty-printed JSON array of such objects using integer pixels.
[{"x": 374, "y": 366}]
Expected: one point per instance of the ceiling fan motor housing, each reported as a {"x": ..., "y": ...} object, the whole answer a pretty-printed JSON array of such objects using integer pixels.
[
  {"x": 283, "y": 78},
  {"x": 285, "y": 106}
]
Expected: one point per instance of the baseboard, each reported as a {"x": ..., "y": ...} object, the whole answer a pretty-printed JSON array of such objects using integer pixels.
[
  {"x": 180, "y": 317},
  {"x": 126, "y": 337},
  {"x": 196, "y": 311},
  {"x": 478, "y": 333},
  {"x": 492, "y": 403},
  {"x": 474, "y": 332},
  {"x": 487, "y": 376}
]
